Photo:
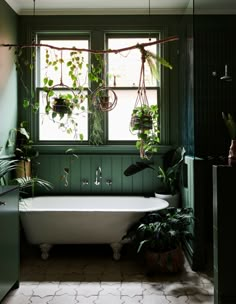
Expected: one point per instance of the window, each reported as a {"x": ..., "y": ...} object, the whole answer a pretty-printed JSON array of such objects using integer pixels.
[
  {"x": 124, "y": 73},
  {"x": 54, "y": 70},
  {"x": 122, "y": 70}
]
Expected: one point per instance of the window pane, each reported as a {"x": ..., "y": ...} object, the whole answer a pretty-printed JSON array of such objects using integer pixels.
[
  {"x": 124, "y": 67},
  {"x": 52, "y": 128},
  {"x": 119, "y": 117},
  {"x": 61, "y": 75}
]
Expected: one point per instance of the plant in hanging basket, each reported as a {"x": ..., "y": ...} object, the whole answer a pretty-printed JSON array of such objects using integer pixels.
[
  {"x": 144, "y": 122},
  {"x": 62, "y": 105},
  {"x": 141, "y": 118}
]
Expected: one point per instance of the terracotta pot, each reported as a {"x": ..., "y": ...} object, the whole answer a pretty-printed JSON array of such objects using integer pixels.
[
  {"x": 169, "y": 261},
  {"x": 232, "y": 153},
  {"x": 23, "y": 169},
  {"x": 173, "y": 200}
]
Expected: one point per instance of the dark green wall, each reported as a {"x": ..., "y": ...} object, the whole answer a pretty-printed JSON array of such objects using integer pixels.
[
  {"x": 214, "y": 46},
  {"x": 8, "y": 77}
]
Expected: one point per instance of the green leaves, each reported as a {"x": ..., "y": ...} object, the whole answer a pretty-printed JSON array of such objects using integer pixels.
[
  {"x": 26, "y": 182},
  {"x": 144, "y": 121},
  {"x": 230, "y": 124},
  {"x": 26, "y": 103},
  {"x": 162, "y": 230},
  {"x": 154, "y": 61}
]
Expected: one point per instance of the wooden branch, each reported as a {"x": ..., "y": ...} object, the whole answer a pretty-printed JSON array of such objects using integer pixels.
[{"x": 136, "y": 46}]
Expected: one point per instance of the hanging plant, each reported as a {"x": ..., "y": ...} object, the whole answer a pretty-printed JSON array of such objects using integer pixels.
[
  {"x": 144, "y": 119},
  {"x": 68, "y": 104},
  {"x": 104, "y": 99}
]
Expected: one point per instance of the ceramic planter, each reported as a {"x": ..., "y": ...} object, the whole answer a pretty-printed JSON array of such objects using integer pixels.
[
  {"x": 23, "y": 169},
  {"x": 166, "y": 262},
  {"x": 173, "y": 200}
]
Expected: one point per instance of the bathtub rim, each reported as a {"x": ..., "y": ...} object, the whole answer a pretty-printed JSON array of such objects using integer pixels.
[{"x": 24, "y": 208}]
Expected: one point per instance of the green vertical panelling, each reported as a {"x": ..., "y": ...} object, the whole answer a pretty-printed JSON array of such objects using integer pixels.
[
  {"x": 96, "y": 161},
  {"x": 75, "y": 177},
  {"x": 188, "y": 192},
  {"x": 137, "y": 179},
  {"x": 127, "y": 181},
  {"x": 117, "y": 174},
  {"x": 150, "y": 179},
  {"x": 106, "y": 174},
  {"x": 83, "y": 167},
  {"x": 51, "y": 168}
]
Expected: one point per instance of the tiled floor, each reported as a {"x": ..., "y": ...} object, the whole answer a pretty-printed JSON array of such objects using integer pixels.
[{"x": 88, "y": 275}]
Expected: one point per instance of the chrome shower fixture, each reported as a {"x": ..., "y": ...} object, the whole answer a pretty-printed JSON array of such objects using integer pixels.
[{"x": 226, "y": 77}]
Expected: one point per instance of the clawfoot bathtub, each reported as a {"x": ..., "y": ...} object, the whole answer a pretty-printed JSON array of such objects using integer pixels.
[{"x": 49, "y": 220}]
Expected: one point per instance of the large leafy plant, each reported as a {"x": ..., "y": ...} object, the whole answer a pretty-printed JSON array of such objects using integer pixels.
[
  {"x": 6, "y": 166},
  {"x": 163, "y": 230},
  {"x": 170, "y": 172}
]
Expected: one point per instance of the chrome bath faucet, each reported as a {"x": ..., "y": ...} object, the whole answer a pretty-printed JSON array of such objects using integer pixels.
[{"x": 98, "y": 176}]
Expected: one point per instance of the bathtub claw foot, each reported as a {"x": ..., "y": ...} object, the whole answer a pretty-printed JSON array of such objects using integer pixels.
[
  {"x": 45, "y": 248},
  {"x": 116, "y": 247}
]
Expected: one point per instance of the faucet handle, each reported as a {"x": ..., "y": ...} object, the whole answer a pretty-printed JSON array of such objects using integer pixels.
[
  {"x": 85, "y": 182},
  {"x": 109, "y": 182}
]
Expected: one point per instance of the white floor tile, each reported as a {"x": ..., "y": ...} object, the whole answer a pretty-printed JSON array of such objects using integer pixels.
[{"x": 101, "y": 280}]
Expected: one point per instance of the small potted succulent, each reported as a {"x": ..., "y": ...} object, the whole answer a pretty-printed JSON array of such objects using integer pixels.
[{"x": 160, "y": 236}]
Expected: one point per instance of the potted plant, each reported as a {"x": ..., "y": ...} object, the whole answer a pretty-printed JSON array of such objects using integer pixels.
[
  {"x": 6, "y": 166},
  {"x": 168, "y": 176},
  {"x": 62, "y": 105},
  {"x": 24, "y": 151},
  {"x": 160, "y": 236},
  {"x": 231, "y": 126},
  {"x": 144, "y": 122}
]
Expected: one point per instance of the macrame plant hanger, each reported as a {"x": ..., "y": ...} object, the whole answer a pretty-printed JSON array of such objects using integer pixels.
[{"x": 142, "y": 99}]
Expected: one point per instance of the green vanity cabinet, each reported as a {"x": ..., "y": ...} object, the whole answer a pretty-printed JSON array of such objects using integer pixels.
[{"x": 9, "y": 239}]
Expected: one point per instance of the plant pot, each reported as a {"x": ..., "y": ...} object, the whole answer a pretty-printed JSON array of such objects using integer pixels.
[
  {"x": 23, "y": 169},
  {"x": 141, "y": 123},
  {"x": 166, "y": 262},
  {"x": 172, "y": 199},
  {"x": 60, "y": 106},
  {"x": 104, "y": 101}
]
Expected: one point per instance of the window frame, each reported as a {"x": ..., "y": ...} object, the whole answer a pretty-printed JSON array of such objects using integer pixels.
[
  {"x": 127, "y": 34},
  {"x": 162, "y": 93}
]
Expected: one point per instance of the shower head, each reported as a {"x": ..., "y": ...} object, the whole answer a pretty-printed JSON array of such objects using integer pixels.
[{"x": 226, "y": 77}]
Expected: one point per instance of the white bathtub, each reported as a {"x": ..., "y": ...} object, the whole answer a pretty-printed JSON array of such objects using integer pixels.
[{"x": 49, "y": 220}]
